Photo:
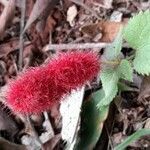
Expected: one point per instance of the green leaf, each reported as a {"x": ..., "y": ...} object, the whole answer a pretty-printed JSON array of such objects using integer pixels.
[
  {"x": 142, "y": 60},
  {"x": 110, "y": 78},
  {"x": 137, "y": 34},
  {"x": 135, "y": 136},
  {"x": 125, "y": 70},
  {"x": 112, "y": 51},
  {"x": 124, "y": 87},
  {"x": 91, "y": 122}
]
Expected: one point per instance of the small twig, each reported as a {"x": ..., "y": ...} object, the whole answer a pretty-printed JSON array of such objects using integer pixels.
[
  {"x": 50, "y": 37},
  {"x": 21, "y": 43},
  {"x": 80, "y": 3},
  {"x": 75, "y": 46}
]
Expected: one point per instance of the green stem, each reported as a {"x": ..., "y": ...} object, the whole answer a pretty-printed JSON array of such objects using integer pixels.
[{"x": 111, "y": 62}]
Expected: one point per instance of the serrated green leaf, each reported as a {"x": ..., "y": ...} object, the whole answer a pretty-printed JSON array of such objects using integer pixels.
[
  {"x": 137, "y": 34},
  {"x": 91, "y": 122},
  {"x": 110, "y": 78},
  {"x": 142, "y": 60},
  {"x": 125, "y": 70},
  {"x": 111, "y": 52}
]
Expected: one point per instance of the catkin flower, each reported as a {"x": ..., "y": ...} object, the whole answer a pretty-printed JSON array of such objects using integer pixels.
[{"x": 38, "y": 89}]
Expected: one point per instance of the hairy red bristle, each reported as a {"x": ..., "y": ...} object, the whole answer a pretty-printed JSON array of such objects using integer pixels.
[{"x": 38, "y": 89}]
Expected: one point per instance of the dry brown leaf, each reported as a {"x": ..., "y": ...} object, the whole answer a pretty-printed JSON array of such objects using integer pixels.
[
  {"x": 71, "y": 14},
  {"x": 51, "y": 144},
  {"x": 147, "y": 124},
  {"x": 7, "y": 16},
  {"x": 117, "y": 137},
  {"x": 8, "y": 47},
  {"x": 145, "y": 90},
  {"x": 40, "y": 34},
  {"x": 50, "y": 24},
  {"x": 3, "y": 69},
  {"x": 6, "y": 145},
  {"x": 67, "y": 4},
  {"x": 108, "y": 3},
  {"x": 37, "y": 119},
  {"x": 40, "y": 7},
  {"x": 11, "y": 46},
  {"x": 108, "y": 29},
  {"x": 3, "y": 91},
  {"x": 6, "y": 123},
  {"x": 29, "y": 6}
]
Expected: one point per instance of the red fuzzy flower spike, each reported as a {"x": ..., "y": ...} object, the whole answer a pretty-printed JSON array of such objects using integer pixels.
[
  {"x": 38, "y": 89},
  {"x": 73, "y": 69}
]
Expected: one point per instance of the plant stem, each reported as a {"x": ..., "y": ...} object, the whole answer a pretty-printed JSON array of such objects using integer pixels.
[
  {"x": 21, "y": 43},
  {"x": 115, "y": 62}
]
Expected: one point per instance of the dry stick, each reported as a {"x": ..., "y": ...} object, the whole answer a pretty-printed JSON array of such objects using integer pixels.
[
  {"x": 75, "y": 46},
  {"x": 21, "y": 42},
  {"x": 80, "y": 3},
  {"x": 46, "y": 116},
  {"x": 21, "y": 45}
]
